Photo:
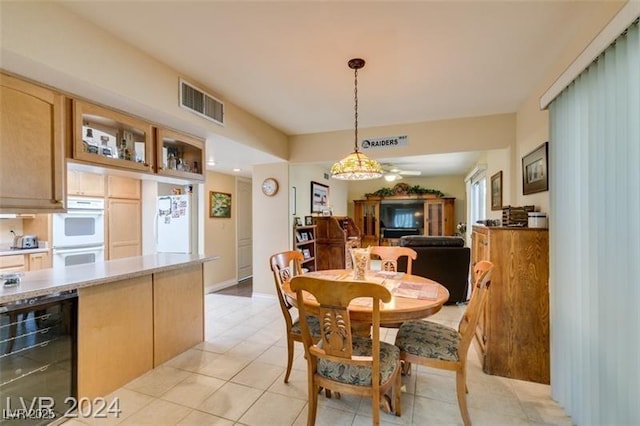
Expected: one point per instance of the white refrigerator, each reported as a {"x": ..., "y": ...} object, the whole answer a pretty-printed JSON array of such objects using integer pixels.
[{"x": 174, "y": 224}]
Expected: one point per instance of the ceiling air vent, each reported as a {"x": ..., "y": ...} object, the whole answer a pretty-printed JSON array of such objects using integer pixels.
[{"x": 201, "y": 103}]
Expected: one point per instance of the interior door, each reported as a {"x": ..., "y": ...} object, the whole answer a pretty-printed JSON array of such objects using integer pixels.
[{"x": 244, "y": 230}]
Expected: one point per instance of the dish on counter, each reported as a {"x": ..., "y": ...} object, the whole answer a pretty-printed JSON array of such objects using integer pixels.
[{"x": 11, "y": 279}]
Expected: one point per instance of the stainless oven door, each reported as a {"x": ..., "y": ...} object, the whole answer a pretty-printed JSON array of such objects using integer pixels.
[{"x": 63, "y": 257}]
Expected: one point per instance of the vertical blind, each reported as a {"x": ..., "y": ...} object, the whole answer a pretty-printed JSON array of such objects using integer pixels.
[{"x": 595, "y": 239}]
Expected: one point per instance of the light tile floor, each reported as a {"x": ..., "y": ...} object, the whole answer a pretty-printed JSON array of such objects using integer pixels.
[{"x": 236, "y": 377}]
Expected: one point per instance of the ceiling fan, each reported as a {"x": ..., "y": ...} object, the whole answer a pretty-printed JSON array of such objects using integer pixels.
[{"x": 392, "y": 173}]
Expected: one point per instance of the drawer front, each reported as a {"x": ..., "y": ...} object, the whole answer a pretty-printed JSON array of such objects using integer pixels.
[{"x": 12, "y": 261}]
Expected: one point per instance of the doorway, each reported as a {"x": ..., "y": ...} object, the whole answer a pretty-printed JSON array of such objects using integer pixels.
[{"x": 244, "y": 230}]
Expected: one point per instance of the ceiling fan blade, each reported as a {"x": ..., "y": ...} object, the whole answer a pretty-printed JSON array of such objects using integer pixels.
[{"x": 410, "y": 172}]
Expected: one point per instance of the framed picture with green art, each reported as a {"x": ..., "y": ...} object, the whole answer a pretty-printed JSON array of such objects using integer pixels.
[{"x": 219, "y": 204}]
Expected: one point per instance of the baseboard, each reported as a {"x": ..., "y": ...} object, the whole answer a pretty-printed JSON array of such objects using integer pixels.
[
  {"x": 219, "y": 286},
  {"x": 264, "y": 295}
]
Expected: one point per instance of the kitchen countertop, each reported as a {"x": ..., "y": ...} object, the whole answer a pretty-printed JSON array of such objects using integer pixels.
[
  {"x": 6, "y": 250},
  {"x": 48, "y": 281}
]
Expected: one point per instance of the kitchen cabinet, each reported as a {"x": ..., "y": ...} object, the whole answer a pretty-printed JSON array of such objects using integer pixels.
[
  {"x": 512, "y": 336},
  {"x": 124, "y": 221},
  {"x": 178, "y": 312},
  {"x": 32, "y": 132},
  {"x": 115, "y": 334},
  {"x": 85, "y": 184},
  {"x": 111, "y": 138},
  {"x": 304, "y": 240},
  {"x": 39, "y": 261},
  {"x": 179, "y": 155},
  {"x": 123, "y": 187},
  {"x": 13, "y": 263},
  {"x": 124, "y": 228}
]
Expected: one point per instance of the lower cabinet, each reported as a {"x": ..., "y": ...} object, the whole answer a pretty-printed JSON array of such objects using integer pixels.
[
  {"x": 13, "y": 263},
  {"x": 178, "y": 312},
  {"x": 128, "y": 327},
  {"x": 115, "y": 334},
  {"x": 25, "y": 262},
  {"x": 39, "y": 261}
]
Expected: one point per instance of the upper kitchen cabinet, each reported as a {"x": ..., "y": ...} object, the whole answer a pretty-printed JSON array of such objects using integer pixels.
[
  {"x": 111, "y": 138},
  {"x": 32, "y": 168},
  {"x": 85, "y": 184},
  {"x": 179, "y": 155}
]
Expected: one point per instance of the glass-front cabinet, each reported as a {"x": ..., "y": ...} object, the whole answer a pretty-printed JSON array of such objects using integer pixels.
[
  {"x": 111, "y": 138},
  {"x": 438, "y": 218},
  {"x": 367, "y": 219},
  {"x": 179, "y": 155}
]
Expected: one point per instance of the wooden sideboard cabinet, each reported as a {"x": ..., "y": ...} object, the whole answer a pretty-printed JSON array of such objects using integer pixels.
[
  {"x": 512, "y": 337},
  {"x": 335, "y": 235},
  {"x": 32, "y": 168}
]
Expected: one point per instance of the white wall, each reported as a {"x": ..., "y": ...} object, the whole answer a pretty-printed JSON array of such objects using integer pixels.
[
  {"x": 302, "y": 175},
  {"x": 271, "y": 229},
  {"x": 431, "y": 137},
  {"x": 500, "y": 160}
]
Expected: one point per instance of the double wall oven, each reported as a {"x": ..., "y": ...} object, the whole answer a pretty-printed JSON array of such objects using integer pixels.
[{"x": 78, "y": 235}]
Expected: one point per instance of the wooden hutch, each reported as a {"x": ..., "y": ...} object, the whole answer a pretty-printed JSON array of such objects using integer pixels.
[
  {"x": 335, "y": 235},
  {"x": 438, "y": 217}
]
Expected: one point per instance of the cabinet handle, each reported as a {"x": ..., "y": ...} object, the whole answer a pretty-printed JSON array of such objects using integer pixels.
[{"x": 484, "y": 243}]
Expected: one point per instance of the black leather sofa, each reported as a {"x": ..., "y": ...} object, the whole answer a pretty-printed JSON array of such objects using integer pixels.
[{"x": 442, "y": 259}]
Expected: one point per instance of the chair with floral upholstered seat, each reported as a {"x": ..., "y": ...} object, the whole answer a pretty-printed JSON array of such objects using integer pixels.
[
  {"x": 434, "y": 345},
  {"x": 341, "y": 361},
  {"x": 285, "y": 265}
]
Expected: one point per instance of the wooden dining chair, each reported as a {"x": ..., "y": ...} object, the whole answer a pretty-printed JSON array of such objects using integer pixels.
[
  {"x": 285, "y": 265},
  {"x": 389, "y": 256},
  {"x": 342, "y": 361},
  {"x": 438, "y": 346}
]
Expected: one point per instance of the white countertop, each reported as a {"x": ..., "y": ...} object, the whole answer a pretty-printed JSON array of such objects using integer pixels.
[
  {"x": 52, "y": 280},
  {"x": 6, "y": 250}
]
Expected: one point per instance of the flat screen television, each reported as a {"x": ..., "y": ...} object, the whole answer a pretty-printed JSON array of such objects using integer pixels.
[{"x": 401, "y": 217}]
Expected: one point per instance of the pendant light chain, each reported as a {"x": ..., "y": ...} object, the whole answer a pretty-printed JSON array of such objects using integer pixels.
[
  {"x": 355, "y": 92},
  {"x": 356, "y": 166}
]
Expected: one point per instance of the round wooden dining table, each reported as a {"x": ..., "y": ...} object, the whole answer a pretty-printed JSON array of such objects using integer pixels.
[{"x": 412, "y": 297}]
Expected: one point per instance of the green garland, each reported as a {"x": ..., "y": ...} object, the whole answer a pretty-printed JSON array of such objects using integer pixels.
[{"x": 404, "y": 190}]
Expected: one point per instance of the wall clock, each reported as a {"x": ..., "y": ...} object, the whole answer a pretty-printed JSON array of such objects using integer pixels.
[{"x": 270, "y": 187}]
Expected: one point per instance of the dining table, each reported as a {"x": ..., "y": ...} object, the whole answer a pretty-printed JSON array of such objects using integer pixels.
[{"x": 412, "y": 297}]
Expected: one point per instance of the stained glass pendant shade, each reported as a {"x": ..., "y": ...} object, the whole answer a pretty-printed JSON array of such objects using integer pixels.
[{"x": 356, "y": 166}]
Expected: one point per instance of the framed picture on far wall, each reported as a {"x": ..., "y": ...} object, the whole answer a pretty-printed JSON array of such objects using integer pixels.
[
  {"x": 535, "y": 172},
  {"x": 319, "y": 197},
  {"x": 219, "y": 204},
  {"x": 496, "y": 191}
]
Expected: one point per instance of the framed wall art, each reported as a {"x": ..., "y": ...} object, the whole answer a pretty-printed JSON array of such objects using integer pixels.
[
  {"x": 319, "y": 197},
  {"x": 535, "y": 172},
  {"x": 496, "y": 191},
  {"x": 219, "y": 204}
]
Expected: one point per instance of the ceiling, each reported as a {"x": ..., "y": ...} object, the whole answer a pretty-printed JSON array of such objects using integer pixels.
[{"x": 286, "y": 61}]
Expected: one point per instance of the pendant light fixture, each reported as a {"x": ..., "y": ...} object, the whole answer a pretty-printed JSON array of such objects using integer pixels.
[{"x": 356, "y": 166}]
